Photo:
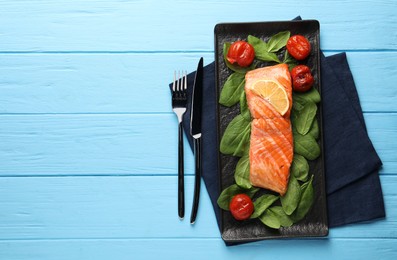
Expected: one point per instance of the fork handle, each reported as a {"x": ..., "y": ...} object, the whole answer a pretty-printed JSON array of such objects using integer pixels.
[{"x": 181, "y": 185}]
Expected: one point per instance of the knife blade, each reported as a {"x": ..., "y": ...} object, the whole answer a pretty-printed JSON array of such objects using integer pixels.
[{"x": 195, "y": 131}]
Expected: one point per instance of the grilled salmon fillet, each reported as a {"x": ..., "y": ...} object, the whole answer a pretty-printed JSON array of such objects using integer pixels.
[{"x": 271, "y": 143}]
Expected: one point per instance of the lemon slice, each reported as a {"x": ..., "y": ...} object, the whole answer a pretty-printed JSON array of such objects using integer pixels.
[{"x": 274, "y": 93}]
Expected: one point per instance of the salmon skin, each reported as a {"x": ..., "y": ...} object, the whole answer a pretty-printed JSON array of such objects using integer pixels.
[{"x": 271, "y": 143}]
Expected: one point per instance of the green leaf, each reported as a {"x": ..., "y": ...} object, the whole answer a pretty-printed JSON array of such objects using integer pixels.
[
  {"x": 284, "y": 219},
  {"x": 306, "y": 201},
  {"x": 258, "y": 44},
  {"x": 270, "y": 219},
  {"x": 267, "y": 56},
  {"x": 315, "y": 130},
  {"x": 278, "y": 41},
  {"x": 236, "y": 137},
  {"x": 291, "y": 199},
  {"x": 275, "y": 217},
  {"x": 261, "y": 48},
  {"x": 288, "y": 58},
  {"x": 311, "y": 95},
  {"x": 262, "y": 203},
  {"x": 243, "y": 146},
  {"x": 227, "y": 194},
  {"x": 251, "y": 192},
  {"x": 297, "y": 105},
  {"x": 306, "y": 146},
  {"x": 242, "y": 173},
  {"x": 314, "y": 95},
  {"x": 234, "y": 67},
  {"x": 244, "y": 110},
  {"x": 232, "y": 89},
  {"x": 300, "y": 168},
  {"x": 305, "y": 117}
]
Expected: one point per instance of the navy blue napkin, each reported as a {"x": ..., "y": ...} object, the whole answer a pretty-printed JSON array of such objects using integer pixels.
[{"x": 354, "y": 192}]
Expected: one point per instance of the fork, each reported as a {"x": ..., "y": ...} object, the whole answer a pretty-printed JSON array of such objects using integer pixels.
[{"x": 179, "y": 100}]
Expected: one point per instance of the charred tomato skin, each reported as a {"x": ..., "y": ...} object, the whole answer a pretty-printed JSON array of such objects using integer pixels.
[
  {"x": 302, "y": 78},
  {"x": 298, "y": 47},
  {"x": 241, "y": 206},
  {"x": 242, "y": 53}
]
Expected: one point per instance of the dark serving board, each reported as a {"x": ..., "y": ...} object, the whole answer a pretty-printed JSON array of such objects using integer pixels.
[{"x": 315, "y": 223}]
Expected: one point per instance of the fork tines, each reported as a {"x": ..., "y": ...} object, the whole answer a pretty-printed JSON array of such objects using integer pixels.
[{"x": 179, "y": 85}]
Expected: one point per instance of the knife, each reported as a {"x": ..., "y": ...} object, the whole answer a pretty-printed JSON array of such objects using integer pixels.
[{"x": 195, "y": 131}]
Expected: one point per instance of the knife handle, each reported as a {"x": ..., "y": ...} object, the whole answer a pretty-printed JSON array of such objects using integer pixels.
[
  {"x": 197, "y": 179},
  {"x": 181, "y": 186}
]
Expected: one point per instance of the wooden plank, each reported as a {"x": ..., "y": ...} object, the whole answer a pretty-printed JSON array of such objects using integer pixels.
[
  {"x": 381, "y": 134},
  {"x": 133, "y": 144},
  {"x": 129, "y": 208},
  {"x": 90, "y": 144},
  {"x": 98, "y": 83},
  {"x": 137, "y": 83},
  {"x": 152, "y": 25},
  {"x": 197, "y": 249}
]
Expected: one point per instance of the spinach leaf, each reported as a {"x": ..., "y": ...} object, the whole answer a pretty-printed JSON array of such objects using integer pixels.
[
  {"x": 290, "y": 200},
  {"x": 244, "y": 110},
  {"x": 275, "y": 217},
  {"x": 284, "y": 219},
  {"x": 226, "y": 196},
  {"x": 235, "y": 139},
  {"x": 262, "y": 203},
  {"x": 298, "y": 103},
  {"x": 270, "y": 219},
  {"x": 261, "y": 50},
  {"x": 267, "y": 56},
  {"x": 243, "y": 146},
  {"x": 228, "y": 193},
  {"x": 311, "y": 95},
  {"x": 278, "y": 41},
  {"x": 305, "y": 117},
  {"x": 258, "y": 44},
  {"x": 315, "y": 131},
  {"x": 306, "y": 201},
  {"x": 306, "y": 146},
  {"x": 300, "y": 168},
  {"x": 288, "y": 59},
  {"x": 241, "y": 175},
  {"x": 234, "y": 67},
  {"x": 232, "y": 89}
]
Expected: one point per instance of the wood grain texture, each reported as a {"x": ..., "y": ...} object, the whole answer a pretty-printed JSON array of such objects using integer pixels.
[
  {"x": 88, "y": 151},
  {"x": 156, "y": 25},
  {"x": 195, "y": 248},
  {"x": 90, "y": 145},
  {"x": 122, "y": 144},
  {"x": 137, "y": 83},
  {"x": 129, "y": 208}
]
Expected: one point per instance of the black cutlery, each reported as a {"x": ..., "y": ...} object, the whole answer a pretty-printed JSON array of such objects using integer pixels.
[
  {"x": 179, "y": 101},
  {"x": 195, "y": 131}
]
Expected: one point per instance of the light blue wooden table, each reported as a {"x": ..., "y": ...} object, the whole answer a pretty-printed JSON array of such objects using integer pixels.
[{"x": 88, "y": 143}]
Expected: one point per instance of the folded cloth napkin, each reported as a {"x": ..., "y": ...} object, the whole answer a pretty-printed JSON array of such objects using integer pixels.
[{"x": 354, "y": 192}]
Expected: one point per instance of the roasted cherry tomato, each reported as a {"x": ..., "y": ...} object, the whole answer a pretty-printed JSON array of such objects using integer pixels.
[
  {"x": 298, "y": 46},
  {"x": 302, "y": 79},
  {"x": 242, "y": 53},
  {"x": 241, "y": 206}
]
